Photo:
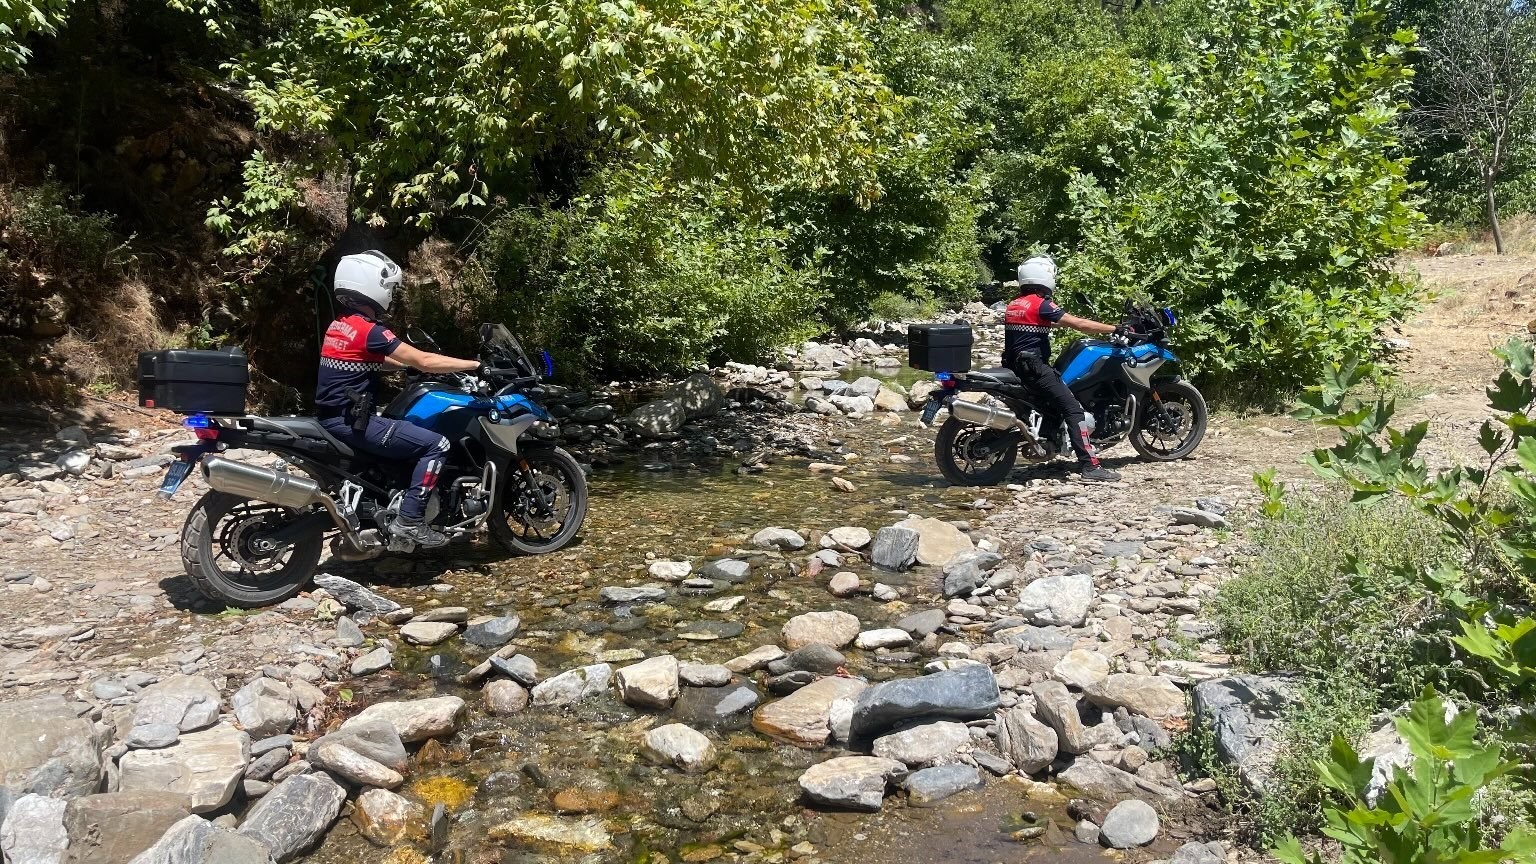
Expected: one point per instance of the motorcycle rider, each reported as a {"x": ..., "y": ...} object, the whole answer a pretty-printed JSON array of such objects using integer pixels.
[
  {"x": 1027, "y": 351},
  {"x": 356, "y": 350}
]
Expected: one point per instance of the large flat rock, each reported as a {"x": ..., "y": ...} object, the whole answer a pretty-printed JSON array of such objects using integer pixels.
[
  {"x": 206, "y": 767},
  {"x": 966, "y": 693},
  {"x": 802, "y": 717}
]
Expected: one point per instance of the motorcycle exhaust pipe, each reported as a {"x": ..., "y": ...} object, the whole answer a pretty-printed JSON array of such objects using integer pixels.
[
  {"x": 984, "y": 415},
  {"x": 263, "y": 484},
  {"x": 273, "y": 487}
]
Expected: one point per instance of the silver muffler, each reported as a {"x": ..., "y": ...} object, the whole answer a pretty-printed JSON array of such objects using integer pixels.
[
  {"x": 984, "y": 415},
  {"x": 263, "y": 484},
  {"x": 273, "y": 487}
]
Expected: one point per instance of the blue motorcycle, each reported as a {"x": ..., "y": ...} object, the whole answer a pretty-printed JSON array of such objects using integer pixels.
[
  {"x": 256, "y": 538},
  {"x": 1123, "y": 384}
]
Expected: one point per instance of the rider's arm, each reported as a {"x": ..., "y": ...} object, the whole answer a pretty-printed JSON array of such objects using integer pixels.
[
  {"x": 404, "y": 356},
  {"x": 1085, "y": 325}
]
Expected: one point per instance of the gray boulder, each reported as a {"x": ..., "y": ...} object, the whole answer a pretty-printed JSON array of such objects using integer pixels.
[
  {"x": 661, "y": 417},
  {"x": 493, "y": 633},
  {"x": 782, "y": 539},
  {"x": 932, "y": 785},
  {"x": 195, "y": 840},
  {"x": 46, "y": 747},
  {"x": 1200, "y": 853},
  {"x": 1029, "y": 744},
  {"x": 1246, "y": 714},
  {"x": 966, "y": 693},
  {"x": 415, "y": 719},
  {"x": 1129, "y": 824},
  {"x": 573, "y": 685},
  {"x": 938, "y": 743},
  {"x": 188, "y": 702},
  {"x": 1062, "y": 600},
  {"x": 700, "y": 396},
  {"x": 921, "y": 624},
  {"x": 293, "y": 817},
  {"x": 1105, "y": 782},
  {"x": 265, "y": 707},
  {"x": 355, "y": 596},
  {"x": 727, "y": 569},
  {"x": 33, "y": 831},
  {"x": 895, "y": 548}
]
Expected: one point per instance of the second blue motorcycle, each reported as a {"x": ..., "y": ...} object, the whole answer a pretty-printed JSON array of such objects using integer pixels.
[{"x": 1125, "y": 384}]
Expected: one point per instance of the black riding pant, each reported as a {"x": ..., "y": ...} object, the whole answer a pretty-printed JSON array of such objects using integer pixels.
[
  {"x": 1040, "y": 377},
  {"x": 402, "y": 441}
]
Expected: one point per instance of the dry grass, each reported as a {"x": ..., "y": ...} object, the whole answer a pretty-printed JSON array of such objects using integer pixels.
[
  {"x": 1519, "y": 238},
  {"x": 108, "y": 353}
]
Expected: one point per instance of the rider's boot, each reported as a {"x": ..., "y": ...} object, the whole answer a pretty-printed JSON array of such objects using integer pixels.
[
  {"x": 418, "y": 532},
  {"x": 1097, "y": 473}
]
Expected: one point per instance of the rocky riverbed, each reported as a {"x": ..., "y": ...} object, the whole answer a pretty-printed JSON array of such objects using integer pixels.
[{"x": 781, "y": 638}]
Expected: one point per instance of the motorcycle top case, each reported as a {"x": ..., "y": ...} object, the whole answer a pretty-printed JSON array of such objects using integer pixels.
[
  {"x": 939, "y": 347},
  {"x": 194, "y": 382}
]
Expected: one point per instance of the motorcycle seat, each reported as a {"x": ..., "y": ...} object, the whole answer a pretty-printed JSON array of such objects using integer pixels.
[
  {"x": 999, "y": 374},
  {"x": 308, "y": 428}
]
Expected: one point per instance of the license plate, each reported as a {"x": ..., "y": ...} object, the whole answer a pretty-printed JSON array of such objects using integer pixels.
[
  {"x": 173, "y": 477},
  {"x": 931, "y": 410}
]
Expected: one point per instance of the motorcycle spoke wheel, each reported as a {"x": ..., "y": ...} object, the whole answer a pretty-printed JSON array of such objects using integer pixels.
[
  {"x": 224, "y": 555},
  {"x": 972, "y": 455},
  {"x": 541, "y": 510},
  {"x": 1171, "y": 428}
]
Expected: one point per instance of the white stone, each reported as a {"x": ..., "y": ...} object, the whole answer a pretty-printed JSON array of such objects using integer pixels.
[
  {"x": 417, "y": 719},
  {"x": 680, "y": 746},
  {"x": 852, "y": 537},
  {"x": 670, "y": 571},
  {"x": 650, "y": 683},
  {"x": 940, "y": 743},
  {"x": 573, "y": 685},
  {"x": 888, "y": 637},
  {"x": 1081, "y": 668}
]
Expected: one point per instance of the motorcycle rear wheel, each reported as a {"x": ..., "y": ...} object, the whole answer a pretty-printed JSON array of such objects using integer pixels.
[
  {"x": 955, "y": 451},
  {"x": 518, "y": 522},
  {"x": 217, "y": 554},
  {"x": 1178, "y": 431}
]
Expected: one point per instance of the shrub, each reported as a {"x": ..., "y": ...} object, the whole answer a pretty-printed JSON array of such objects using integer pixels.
[
  {"x": 1428, "y": 812},
  {"x": 45, "y": 224},
  {"x": 1255, "y": 188},
  {"x": 635, "y": 278},
  {"x": 1331, "y": 586}
]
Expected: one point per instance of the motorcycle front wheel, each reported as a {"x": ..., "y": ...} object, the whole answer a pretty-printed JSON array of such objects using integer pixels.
[
  {"x": 970, "y": 455},
  {"x": 222, "y": 551},
  {"x": 1170, "y": 428},
  {"x": 541, "y": 510}
]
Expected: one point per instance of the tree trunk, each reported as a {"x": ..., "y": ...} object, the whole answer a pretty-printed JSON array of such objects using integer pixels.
[{"x": 1493, "y": 218}]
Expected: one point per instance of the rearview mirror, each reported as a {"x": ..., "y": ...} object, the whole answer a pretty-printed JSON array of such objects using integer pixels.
[{"x": 419, "y": 338}]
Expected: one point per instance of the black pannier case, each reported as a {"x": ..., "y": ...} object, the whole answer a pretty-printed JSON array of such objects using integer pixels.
[
  {"x": 939, "y": 347},
  {"x": 194, "y": 382}
]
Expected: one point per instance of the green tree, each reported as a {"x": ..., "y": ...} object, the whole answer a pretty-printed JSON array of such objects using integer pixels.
[
  {"x": 1256, "y": 190},
  {"x": 22, "y": 18},
  {"x": 436, "y": 106}
]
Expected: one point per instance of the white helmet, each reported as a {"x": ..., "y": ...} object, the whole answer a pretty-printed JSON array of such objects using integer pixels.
[
  {"x": 1039, "y": 270},
  {"x": 367, "y": 279}
]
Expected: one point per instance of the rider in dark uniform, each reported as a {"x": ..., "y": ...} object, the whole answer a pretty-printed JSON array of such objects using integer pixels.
[
  {"x": 356, "y": 350},
  {"x": 1027, "y": 351}
]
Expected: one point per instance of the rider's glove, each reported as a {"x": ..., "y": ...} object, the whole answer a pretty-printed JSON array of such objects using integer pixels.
[{"x": 1122, "y": 331}]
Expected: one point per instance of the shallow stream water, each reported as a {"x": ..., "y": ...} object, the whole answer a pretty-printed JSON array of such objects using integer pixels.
[{"x": 588, "y": 760}]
